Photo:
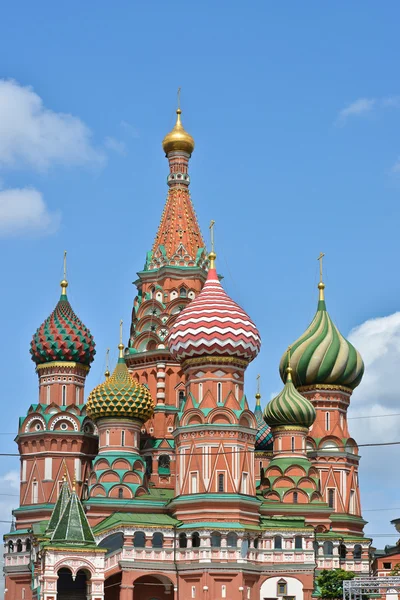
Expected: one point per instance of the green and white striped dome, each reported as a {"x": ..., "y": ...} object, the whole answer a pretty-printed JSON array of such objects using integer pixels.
[
  {"x": 322, "y": 356},
  {"x": 289, "y": 407}
]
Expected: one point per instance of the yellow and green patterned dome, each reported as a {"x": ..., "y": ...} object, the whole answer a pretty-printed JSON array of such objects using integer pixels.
[
  {"x": 120, "y": 396},
  {"x": 322, "y": 356},
  {"x": 289, "y": 407}
]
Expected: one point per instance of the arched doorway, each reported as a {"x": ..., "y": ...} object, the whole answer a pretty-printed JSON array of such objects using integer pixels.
[
  {"x": 112, "y": 587},
  {"x": 153, "y": 587},
  {"x": 69, "y": 588}
]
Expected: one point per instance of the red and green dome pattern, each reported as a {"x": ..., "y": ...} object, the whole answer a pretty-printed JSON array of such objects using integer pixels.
[{"x": 63, "y": 337}]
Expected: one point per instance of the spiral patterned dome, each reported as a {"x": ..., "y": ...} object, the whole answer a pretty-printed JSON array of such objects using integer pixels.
[
  {"x": 289, "y": 407},
  {"x": 264, "y": 438},
  {"x": 120, "y": 396},
  {"x": 322, "y": 356},
  {"x": 213, "y": 325},
  {"x": 63, "y": 336}
]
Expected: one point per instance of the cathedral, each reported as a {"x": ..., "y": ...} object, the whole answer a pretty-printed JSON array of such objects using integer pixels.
[{"x": 163, "y": 484}]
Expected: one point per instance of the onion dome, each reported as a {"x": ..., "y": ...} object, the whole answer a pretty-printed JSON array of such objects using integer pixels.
[
  {"x": 322, "y": 356},
  {"x": 289, "y": 407},
  {"x": 213, "y": 325},
  {"x": 63, "y": 336},
  {"x": 264, "y": 438},
  {"x": 120, "y": 396},
  {"x": 178, "y": 140}
]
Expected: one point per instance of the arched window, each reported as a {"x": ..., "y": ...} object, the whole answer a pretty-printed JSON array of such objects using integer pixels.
[
  {"x": 183, "y": 292},
  {"x": 328, "y": 549},
  {"x": 221, "y": 482},
  {"x": 120, "y": 493},
  {"x": 215, "y": 539},
  {"x": 158, "y": 540},
  {"x": 316, "y": 548},
  {"x": 195, "y": 539},
  {"x": 231, "y": 539},
  {"x": 331, "y": 498},
  {"x": 181, "y": 397},
  {"x": 298, "y": 542},
  {"x": 10, "y": 547},
  {"x": 256, "y": 542},
  {"x": 327, "y": 421},
  {"x": 123, "y": 437},
  {"x": 107, "y": 437},
  {"x": 139, "y": 539},
  {"x": 27, "y": 545},
  {"x": 357, "y": 552},
  {"x": 182, "y": 540},
  {"x": 342, "y": 551},
  {"x": 278, "y": 542},
  {"x": 219, "y": 392},
  {"x": 19, "y": 545},
  {"x": 295, "y": 497},
  {"x": 164, "y": 464},
  {"x": 64, "y": 395}
]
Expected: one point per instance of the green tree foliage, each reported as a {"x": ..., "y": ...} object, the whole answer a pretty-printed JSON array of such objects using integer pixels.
[
  {"x": 330, "y": 583},
  {"x": 396, "y": 570}
]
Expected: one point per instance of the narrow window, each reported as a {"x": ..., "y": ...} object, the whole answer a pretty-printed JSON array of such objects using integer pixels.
[
  {"x": 123, "y": 437},
  {"x": 181, "y": 397},
  {"x": 34, "y": 492},
  {"x": 48, "y": 394},
  {"x": 158, "y": 540},
  {"x": 183, "y": 292},
  {"x": 64, "y": 395},
  {"x": 293, "y": 444},
  {"x": 195, "y": 539},
  {"x": 327, "y": 421},
  {"x": 200, "y": 392},
  {"x": 193, "y": 483},
  {"x": 219, "y": 393},
  {"x": 78, "y": 465},
  {"x": 281, "y": 588},
  {"x": 48, "y": 468},
  {"x": 221, "y": 482},
  {"x": 19, "y": 546},
  {"x": 244, "y": 483},
  {"x": 298, "y": 542},
  {"x": 341, "y": 420},
  {"x": 139, "y": 539},
  {"x": 182, "y": 540},
  {"x": 120, "y": 493},
  {"x": 27, "y": 545},
  {"x": 237, "y": 392},
  {"x": 331, "y": 498},
  {"x": 77, "y": 395},
  {"x": 278, "y": 542},
  {"x": 295, "y": 497},
  {"x": 193, "y": 591},
  {"x": 10, "y": 547},
  {"x": 223, "y": 591},
  {"x": 232, "y": 539},
  {"x": 164, "y": 464},
  {"x": 23, "y": 474},
  {"x": 215, "y": 539},
  {"x": 352, "y": 504},
  {"x": 328, "y": 548},
  {"x": 107, "y": 437}
]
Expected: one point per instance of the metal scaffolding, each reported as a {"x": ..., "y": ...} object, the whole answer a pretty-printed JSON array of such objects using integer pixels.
[{"x": 365, "y": 588}]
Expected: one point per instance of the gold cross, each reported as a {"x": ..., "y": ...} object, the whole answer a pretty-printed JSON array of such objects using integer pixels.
[
  {"x": 212, "y": 234},
  {"x": 65, "y": 264},
  {"x": 320, "y": 257},
  {"x": 288, "y": 355},
  {"x": 179, "y": 97},
  {"x": 120, "y": 331},
  {"x": 107, "y": 358},
  {"x": 258, "y": 383}
]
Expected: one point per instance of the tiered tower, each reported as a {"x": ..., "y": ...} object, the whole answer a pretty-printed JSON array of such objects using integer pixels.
[
  {"x": 326, "y": 369},
  {"x": 173, "y": 275},
  {"x": 56, "y": 437},
  {"x": 214, "y": 340}
]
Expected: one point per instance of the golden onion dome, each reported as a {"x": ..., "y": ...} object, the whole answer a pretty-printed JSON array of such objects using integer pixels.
[
  {"x": 120, "y": 396},
  {"x": 178, "y": 140}
]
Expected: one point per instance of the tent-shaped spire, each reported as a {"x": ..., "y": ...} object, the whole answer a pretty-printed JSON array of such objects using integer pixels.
[
  {"x": 73, "y": 526},
  {"x": 59, "y": 507}
]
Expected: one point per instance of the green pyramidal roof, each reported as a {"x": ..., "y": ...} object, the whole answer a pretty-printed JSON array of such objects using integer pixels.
[
  {"x": 59, "y": 507},
  {"x": 73, "y": 527}
]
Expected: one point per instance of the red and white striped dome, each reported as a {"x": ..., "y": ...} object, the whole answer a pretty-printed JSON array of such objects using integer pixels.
[{"x": 213, "y": 325}]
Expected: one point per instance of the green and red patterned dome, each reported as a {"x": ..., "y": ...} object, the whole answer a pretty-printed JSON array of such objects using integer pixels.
[
  {"x": 289, "y": 407},
  {"x": 62, "y": 336}
]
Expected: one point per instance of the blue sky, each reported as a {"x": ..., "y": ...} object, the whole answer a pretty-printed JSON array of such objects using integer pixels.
[{"x": 295, "y": 110}]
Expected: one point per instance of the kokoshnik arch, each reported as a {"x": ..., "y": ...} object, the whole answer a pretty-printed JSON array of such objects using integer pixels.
[{"x": 164, "y": 484}]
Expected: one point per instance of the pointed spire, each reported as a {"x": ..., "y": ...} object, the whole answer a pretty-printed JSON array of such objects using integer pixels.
[
  {"x": 257, "y": 410},
  {"x": 121, "y": 344},
  {"x": 64, "y": 282},
  {"x": 73, "y": 527},
  {"x": 212, "y": 256},
  {"x": 62, "y": 501},
  {"x": 107, "y": 371},
  {"x": 321, "y": 285}
]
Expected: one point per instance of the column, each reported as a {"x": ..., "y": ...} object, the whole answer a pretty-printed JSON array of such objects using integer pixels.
[{"x": 160, "y": 383}]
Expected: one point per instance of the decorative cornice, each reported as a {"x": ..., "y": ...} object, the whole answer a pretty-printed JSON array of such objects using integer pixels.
[
  {"x": 60, "y": 364},
  {"x": 278, "y": 428},
  {"x": 218, "y": 360},
  {"x": 324, "y": 387}
]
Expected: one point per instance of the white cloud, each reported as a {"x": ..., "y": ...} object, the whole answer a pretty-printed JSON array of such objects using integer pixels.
[
  {"x": 396, "y": 166},
  {"x": 115, "y": 145},
  {"x": 35, "y": 136},
  {"x": 23, "y": 210},
  {"x": 129, "y": 128},
  {"x": 360, "y": 107}
]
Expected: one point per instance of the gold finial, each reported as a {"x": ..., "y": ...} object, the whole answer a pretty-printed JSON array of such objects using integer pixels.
[
  {"x": 179, "y": 98},
  {"x": 212, "y": 256},
  {"x": 107, "y": 372},
  {"x": 258, "y": 395},
  {"x": 178, "y": 140},
  {"x": 321, "y": 285},
  {"x": 65, "y": 475},
  {"x": 120, "y": 345},
  {"x": 288, "y": 368},
  {"x": 64, "y": 283},
  {"x": 74, "y": 484}
]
